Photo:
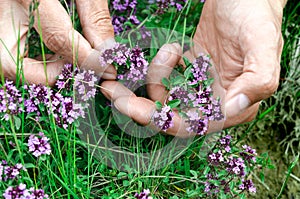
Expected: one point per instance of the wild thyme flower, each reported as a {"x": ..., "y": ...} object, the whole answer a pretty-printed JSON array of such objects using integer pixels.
[
  {"x": 225, "y": 143},
  {"x": 84, "y": 85},
  {"x": 18, "y": 192},
  {"x": 10, "y": 100},
  {"x": 143, "y": 195},
  {"x": 163, "y": 5},
  {"x": 37, "y": 95},
  {"x": 122, "y": 56},
  {"x": 215, "y": 158},
  {"x": 163, "y": 118},
  {"x": 178, "y": 92},
  {"x": 236, "y": 166},
  {"x": 37, "y": 194},
  {"x": 12, "y": 172},
  {"x": 200, "y": 69},
  {"x": 196, "y": 124},
  {"x": 247, "y": 185},
  {"x": 138, "y": 65},
  {"x": 39, "y": 145},
  {"x": 124, "y": 5},
  {"x": 249, "y": 154},
  {"x": 119, "y": 54},
  {"x": 64, "y": 80}
]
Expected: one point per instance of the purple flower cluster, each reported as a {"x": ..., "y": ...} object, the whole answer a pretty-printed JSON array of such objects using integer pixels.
[
  {"x": 64, "y": 80},
  {"x": 249, "y": 154},
  {"x": 10, "y": 172},
  {"x": 127, "y": 58},
  {"x": 143, "y": 195},
  {"x": 20, "y": 192},
  {"x": 179, "y": 92},
  {"x": 84, "y": 85},
  {"x": 119, "y": 54},
  {"x": 10, "y": 100},
  {"x": 196, "y": 124},
  {"x": 163, "y": 5},
  {"x": 163, "y": 118},
  {"x": 231, "y": 168},
  {"x": 124, "y": 12},
  {"x": 224, "y": 143},
  {"x": 196, "y": 95},
  {"x": 248, "y": 186},
  {"x": 236, "y": 166},
  {"x": 39, "y": 145}
]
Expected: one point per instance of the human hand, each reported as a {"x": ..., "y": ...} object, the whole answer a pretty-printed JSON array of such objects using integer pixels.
[
  {"x": 142, "y": 110},
  {"x": 245, "y": 46},
  {"x": 245, "y": 43},
  {"x": 55, "y": 28}
]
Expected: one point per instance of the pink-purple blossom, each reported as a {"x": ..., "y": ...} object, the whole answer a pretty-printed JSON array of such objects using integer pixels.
[{"x": 39, "y": 145}]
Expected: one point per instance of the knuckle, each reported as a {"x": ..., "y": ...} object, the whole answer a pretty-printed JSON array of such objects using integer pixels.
[
  {"x": 100, "y": 18},
  {"x": 57, "y": 40},
  {"x": 269, "y": 84}
]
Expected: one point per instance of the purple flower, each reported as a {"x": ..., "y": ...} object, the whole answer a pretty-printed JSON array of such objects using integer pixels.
[
  {"x": 163, "y": 118},
  {"x": 200, "y": 69},
  {"x": 122, "y": 56},
  {"x": 10, "y": 172},
  {"x": 39, "y": 145},
  {"x": 225, "y": 143},
  {"x": 249, "y": 154},
  {"x": 64, "y": 80},
  {"x": 138, "y": 65},
  {"x": 215, "y": 158},
  {"x": 84, "y": 84},
  {"x": 236, "y": 166},
  {"x": 143, "y": 195},
  {"x": 163, "y": 5},
  {"x": 248, "y": 186},
  {"x": 178, "y": 92},
  {"x": 196, "y": 124},
  {"x": 10, "y": 100},
  {"x": 18, "y": 192},
  {"x": 37, "y": 194}
]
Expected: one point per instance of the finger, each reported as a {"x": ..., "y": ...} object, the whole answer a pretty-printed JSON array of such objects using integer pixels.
[
  {"x": 247, "y": 116},
  {"x": 260, "y": 77},
  {"x": 141, "y": 109},
  {"x": 34, "y": 71},
  {"x": 161, "y": 67},
  {"x": 96, "y": 22},
  {"x": 55, "y": 27}
]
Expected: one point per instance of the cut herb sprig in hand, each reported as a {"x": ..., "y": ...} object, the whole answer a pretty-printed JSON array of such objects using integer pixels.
[{"x": 181, "y": 104}]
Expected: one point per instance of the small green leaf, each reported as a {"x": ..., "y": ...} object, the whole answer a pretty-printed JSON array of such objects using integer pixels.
[
  {"x": 158, "y": 105},
  {"x": 187, "y": 62},
  {"x": 17, "y": 122},
  {"x": 126, "y": 183},
  {"x": 174, "y": 103},
  {"x": 187, "y": 73},
  {"x": 194, "y": 173},
  {"x": 165, "y": 82},
  {"x": 29, "y": 165},
  {"x": 177, "y": 80}
]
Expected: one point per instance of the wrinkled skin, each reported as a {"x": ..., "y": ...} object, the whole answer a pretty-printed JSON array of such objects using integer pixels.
[
  {"x": 244, "y": 40},
  {"x": 53, "y": 23}
]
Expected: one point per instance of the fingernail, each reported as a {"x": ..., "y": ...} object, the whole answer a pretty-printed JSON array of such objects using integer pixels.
[
  {"x": 163, "y": 54},
  {"x": 236, "y": 105}
]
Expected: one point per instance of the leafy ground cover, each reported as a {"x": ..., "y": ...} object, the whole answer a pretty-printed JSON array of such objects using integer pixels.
[{"x": 58, "y": 143}]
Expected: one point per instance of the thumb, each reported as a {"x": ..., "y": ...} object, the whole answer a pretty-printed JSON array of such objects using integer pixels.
[{"x": 248, "y": 89}]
